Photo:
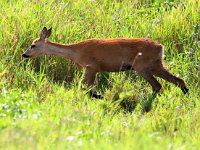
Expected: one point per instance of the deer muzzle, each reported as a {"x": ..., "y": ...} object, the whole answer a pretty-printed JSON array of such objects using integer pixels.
[{"x": 25, "y": 56}]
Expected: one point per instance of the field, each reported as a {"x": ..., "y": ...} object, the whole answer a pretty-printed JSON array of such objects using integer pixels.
[{"x": 43, "y": 104}]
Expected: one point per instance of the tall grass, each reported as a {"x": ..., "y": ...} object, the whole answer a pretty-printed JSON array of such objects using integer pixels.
[{"x": 42, "y": 104}]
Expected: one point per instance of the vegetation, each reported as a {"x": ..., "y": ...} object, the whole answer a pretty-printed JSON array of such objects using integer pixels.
[{"x": 42, "y": 104}]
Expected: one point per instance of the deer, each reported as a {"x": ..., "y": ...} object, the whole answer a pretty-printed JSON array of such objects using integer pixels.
[{"x": 142, "y": 55}]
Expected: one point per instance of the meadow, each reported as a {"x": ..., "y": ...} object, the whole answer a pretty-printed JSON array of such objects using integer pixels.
[{"x": 43, "y": 104}]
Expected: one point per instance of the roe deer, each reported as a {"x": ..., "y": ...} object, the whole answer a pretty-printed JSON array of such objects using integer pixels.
[{"x": 110, "y": 55}]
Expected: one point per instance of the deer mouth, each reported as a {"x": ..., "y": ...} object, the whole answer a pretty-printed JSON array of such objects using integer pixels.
[{"x": 25, "y": 56}]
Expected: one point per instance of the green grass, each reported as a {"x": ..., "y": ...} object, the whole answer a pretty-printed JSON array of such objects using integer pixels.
[{"x": 42, "y": 104}]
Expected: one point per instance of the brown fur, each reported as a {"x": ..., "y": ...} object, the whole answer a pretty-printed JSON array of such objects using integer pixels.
[{"x": 110, "y": 55}]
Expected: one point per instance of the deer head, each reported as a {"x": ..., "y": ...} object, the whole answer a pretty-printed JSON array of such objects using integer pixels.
[{"x": 38, "y": 46}]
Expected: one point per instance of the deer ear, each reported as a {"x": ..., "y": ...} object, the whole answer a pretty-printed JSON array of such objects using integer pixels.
[
  {"x": 48, "y": 32},
  {"x": 43, "y": 34}
]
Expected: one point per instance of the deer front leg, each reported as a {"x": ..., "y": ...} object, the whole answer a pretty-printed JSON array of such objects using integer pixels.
[{"x": 89, "y": 79}]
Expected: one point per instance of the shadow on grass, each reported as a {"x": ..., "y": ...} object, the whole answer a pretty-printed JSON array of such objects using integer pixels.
[
  {"x": 146, "y": 103},
  {"x": 128, "y": 103}
]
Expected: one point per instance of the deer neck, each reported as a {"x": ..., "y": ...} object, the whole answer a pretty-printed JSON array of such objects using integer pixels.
[{"x": 64, "y": 50}]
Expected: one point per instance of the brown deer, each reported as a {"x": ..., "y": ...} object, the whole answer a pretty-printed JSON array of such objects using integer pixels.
[{"x": 110, "y": 55}]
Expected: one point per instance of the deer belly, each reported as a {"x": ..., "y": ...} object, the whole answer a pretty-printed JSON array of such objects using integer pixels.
[{"x": 113, "y": 66}]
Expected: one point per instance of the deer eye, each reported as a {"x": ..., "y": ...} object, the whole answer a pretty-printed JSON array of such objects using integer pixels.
[{"x": 32, "y": 46}]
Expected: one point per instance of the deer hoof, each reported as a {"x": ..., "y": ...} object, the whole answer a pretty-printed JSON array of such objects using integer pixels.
[
  {"x": 185, "y": 90},
  {"x": 95, "y": 95}
]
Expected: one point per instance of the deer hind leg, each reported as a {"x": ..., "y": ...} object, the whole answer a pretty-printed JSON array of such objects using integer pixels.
[
  {"x": 144, "y": 70},
  {"x": 152, "y": 81},
  {"x": 162, "y": 72},
  {"x": 89, "y": 79}
]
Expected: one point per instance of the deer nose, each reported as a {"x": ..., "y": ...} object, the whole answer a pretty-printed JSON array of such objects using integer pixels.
[{"x": 25, "y": 56}]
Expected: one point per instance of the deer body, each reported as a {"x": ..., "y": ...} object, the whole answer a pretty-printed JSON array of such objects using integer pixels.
[{"x": 110, "y": 55}]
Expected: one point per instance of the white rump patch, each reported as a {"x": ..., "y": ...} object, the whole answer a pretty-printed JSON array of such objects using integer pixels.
[{"x": 162, "y": 53}]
